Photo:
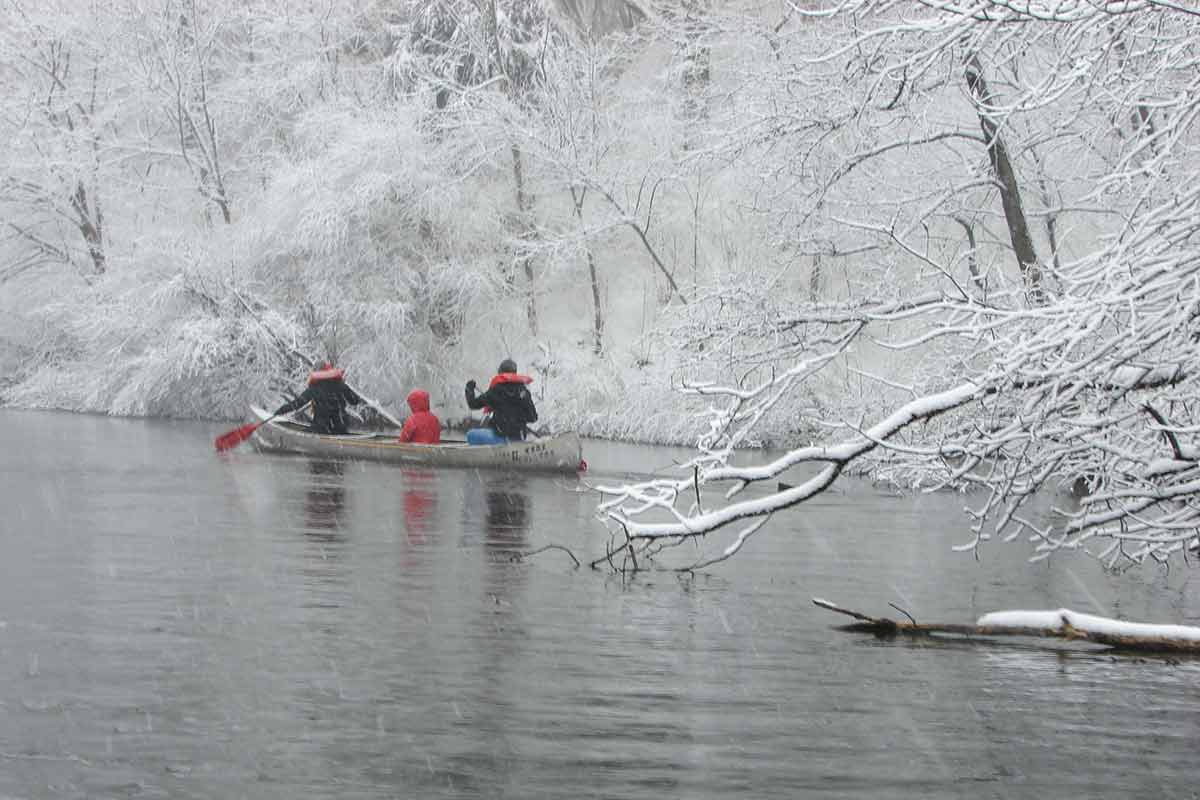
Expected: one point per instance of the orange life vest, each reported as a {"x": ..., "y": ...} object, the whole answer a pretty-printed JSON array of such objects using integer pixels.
[
  {"x": 327, "y": 373},
  {"x": 510, "y": 377}
]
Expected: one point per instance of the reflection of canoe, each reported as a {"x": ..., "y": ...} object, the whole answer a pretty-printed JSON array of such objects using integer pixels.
[{"x": 561, "y": 453}]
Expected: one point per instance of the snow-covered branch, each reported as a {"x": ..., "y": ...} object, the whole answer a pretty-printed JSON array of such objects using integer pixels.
[{"x": 1028, "y": 371}]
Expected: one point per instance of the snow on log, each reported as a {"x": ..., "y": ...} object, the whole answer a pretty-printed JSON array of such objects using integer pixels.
[
  {"x": 1060, "y": 624},
  {"x": 1104, "y": 630}
]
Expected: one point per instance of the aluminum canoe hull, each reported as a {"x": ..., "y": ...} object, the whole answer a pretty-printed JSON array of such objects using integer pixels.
[{"x": 561, "y": 454}]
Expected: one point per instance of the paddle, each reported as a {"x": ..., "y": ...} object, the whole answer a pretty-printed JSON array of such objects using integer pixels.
[{"x": 231, "y": 439}]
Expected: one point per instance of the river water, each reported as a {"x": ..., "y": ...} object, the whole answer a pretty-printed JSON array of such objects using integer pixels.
[{"x": 179, "y": 624}]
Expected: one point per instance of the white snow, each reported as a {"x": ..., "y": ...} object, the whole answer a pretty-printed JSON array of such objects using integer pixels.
[{"x": 1053, "y": 620}]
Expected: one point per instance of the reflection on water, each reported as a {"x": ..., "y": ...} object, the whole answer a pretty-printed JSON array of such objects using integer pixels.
[
  {"x": 174, "y": 625},
  {"x": 507, "y": 513},
  {"x": 503, "y": 519},
  {"x": 324, "y": 530},
  {"x": 495, "y": 511},
  {"x": 420, "y": 503},
  {"x": 325, "y": 501},
  {"x": 498, "y": 507}
]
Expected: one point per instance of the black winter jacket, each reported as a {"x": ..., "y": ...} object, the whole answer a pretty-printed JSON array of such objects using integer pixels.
[
  {"x": 329, "y": 399},
  {"x": 511, "y": 404}
]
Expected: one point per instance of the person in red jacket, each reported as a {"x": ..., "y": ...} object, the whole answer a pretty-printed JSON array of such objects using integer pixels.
[{"x": 421, "y": 427}]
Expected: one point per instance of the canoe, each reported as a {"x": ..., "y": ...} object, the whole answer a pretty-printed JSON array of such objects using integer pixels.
[{"x": 562, "y": 453}]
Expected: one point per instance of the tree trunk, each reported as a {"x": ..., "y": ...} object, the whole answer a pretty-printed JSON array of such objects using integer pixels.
[
  {"x": 814, "y": 279},
  {"x": 91, "y": 226},
  {"x": 597, "y": 311},
  {"x": 972, "y": 257},
  {"x": 1005, "y": 175},
  {"x": 525, "y": 228},
  {"x": 1140, "y": 118},
  {"x": 696, "y": 71},
  {"x": 526, "y": 233},
  {"x": 597, "y": 314}
]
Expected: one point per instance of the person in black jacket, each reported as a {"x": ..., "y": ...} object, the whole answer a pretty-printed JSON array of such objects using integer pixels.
[
  {"x": 510, "y": 404},
  {"x": 329, "y": 395}
]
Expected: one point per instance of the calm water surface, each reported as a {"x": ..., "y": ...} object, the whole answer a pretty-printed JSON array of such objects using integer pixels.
[{"x": 178, "y": 624}]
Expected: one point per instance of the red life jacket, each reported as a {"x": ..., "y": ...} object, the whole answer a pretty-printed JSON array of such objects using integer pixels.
[
  {"x": 326, "y": 373},
  {"x": 510, "y": 377}
]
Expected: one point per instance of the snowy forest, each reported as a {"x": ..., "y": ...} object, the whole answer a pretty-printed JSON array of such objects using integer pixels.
[{"x": 938, "y": 243}]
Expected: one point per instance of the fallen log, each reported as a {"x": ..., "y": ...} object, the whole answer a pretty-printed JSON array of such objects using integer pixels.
[{"x": 1060, "y": 624}]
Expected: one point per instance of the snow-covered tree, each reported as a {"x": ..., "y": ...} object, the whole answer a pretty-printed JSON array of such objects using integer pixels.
[
  {"x": 1056, "y": 343},
  {"x": 60, "y": 106}
]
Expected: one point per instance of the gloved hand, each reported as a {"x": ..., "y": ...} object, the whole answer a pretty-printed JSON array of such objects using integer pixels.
[{"x": 470, "y": 386}]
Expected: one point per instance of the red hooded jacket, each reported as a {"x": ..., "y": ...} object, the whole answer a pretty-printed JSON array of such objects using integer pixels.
[{"x": 421, "y": 427}]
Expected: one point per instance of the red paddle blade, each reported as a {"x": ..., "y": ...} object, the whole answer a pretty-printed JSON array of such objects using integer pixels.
[{"x": 230, "y": 440}]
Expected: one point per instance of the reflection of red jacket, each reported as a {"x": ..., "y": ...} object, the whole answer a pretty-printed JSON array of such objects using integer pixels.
[{"x": 421, "y": 427}]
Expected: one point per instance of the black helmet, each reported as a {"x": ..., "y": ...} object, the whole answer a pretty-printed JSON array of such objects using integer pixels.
[{"x": 507, "y": 365}]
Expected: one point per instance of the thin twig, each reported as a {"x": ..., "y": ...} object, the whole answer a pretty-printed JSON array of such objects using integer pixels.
[
  {"x": 632, "y": 556},
  {"x": 905, "y": 613},
  {"x": 525, "y": 555}
]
